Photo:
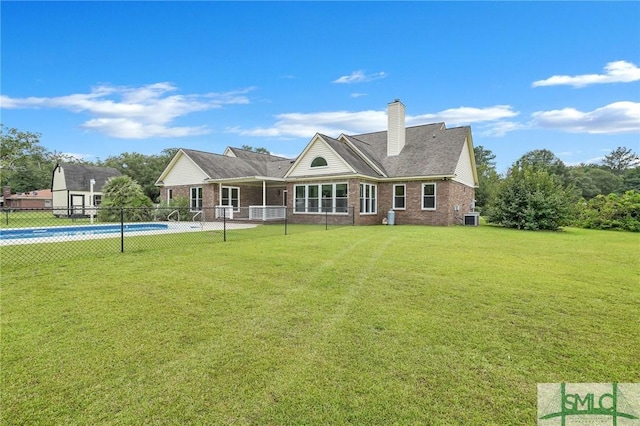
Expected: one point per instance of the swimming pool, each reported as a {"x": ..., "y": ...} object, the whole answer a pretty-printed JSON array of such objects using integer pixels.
[
  {"x": 53, "y": 234},
  {"x": 71, "y": 231}
]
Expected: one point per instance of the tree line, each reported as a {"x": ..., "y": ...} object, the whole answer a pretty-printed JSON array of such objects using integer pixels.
[
  {"x": 26, "y": 165},
  {"x": 537, "y": 192},
  {"x": 540, "y": 192}
]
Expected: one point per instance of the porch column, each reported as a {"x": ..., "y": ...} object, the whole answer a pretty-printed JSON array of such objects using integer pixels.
[
  {"x": 264, "y": 200},
  {"x": 264, "y": 193}
]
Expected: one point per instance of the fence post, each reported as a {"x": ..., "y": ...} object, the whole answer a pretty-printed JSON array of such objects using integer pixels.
[
  {"x": 6, "y": 212},
  {"x": 121, "y": 230},
  {"x": 224, "y": 224},
  {"x": 326, "y": 220},
  {"x": 285, "y": 221}
]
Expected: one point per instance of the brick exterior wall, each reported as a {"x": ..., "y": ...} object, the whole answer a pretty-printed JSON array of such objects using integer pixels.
[{"x": 448, "y": 195}]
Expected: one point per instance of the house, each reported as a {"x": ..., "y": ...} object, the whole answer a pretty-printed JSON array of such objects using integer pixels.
[
  {"x": 37, "y": 199},
  {"x": 426, "y": 174},
  {"x": 76, "y": 187}
]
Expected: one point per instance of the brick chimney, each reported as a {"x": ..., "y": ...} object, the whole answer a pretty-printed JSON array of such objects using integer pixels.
[
  {"x": 6, "y": 192},
  {"x": 395, "y": 128}
]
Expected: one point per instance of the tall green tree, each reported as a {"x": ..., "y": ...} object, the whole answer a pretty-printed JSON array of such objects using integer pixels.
[
  {"x": 543, "y": 159},
  {"x": 488, "y": 177},
  {"x": 621, "y": 159},
  {"x": 25, "y": 165},
  {"x": 631, "y": 180},
  {"x": 144, "y": 169},
  {"x": 260, "y": 149},
  {"x": 591, "y": 180}
]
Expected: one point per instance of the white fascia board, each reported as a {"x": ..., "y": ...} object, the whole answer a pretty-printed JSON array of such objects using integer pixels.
[
  {"x": 245, "y": 179},
  {"x": 169, "y": 166},
  {"x": 417, "y": 178},
  {"x": 313, "y": 141},
  {"x": 172, "y": 163},
  {"x": 228, "y": 152},
  {"x": 473, "y": 160},
  {"x": 371, "y": 178}
]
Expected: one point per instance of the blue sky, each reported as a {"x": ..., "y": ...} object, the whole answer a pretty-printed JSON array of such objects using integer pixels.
[{"x": 97, "y": 79}]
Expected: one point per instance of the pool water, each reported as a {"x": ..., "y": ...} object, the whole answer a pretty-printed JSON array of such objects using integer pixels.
[{"x": 66, "y": 231}]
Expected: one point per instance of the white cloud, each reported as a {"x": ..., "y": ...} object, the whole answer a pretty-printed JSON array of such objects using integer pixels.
[
  {"x": 359, "y": 77},
  {"x": 465, "y": 115},
  {"x": 615, "y": 118},
  {"x": 358, "y": 95},
  {"x": 134, "y": 112},
  {"x": 615, "y": 72},
  {"x": 305, "y": 125}
]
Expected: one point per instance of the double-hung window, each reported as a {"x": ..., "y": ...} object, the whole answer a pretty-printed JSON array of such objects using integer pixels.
[
  {"x": 399, "y": 197},
  {"x": 368, "y": 198},
  {"x": 325, "y": 198},
  {"x": 428, "y": 196},
  {"x": 195, "y": 199},
  {"x": 231, "y": 197}
]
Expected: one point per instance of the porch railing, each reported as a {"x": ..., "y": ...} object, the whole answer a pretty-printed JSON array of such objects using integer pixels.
[
  {"x": 224, "y": 211},
  {"x": 267, "y": 212}
]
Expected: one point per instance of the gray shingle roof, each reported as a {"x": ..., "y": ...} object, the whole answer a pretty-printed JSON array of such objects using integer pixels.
[
  {"x": 78, "y": 176},
  {"x": 351, "y": 157},
  {"x": 430, "y": 150},
  {"x": 247, "y": 164}
]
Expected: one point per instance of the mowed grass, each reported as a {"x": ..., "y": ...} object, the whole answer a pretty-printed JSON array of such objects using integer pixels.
[{"x": 358, "y": 325}]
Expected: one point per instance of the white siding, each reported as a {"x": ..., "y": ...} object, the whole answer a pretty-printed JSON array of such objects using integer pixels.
[
  {"x": 464, "y": 171},
  {"x": 319, "y": 148},
  {"x": 58, "y": 179},
  {"x": 58, "y": 186},
  {"x": 184, "y": 172}
]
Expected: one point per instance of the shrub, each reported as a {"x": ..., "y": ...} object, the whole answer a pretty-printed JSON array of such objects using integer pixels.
[
  {"x": 532, "y": 199},
  {"x": 611, "y": 211},
  {"x": 121, "y": 194},
  {"x": 180, "y": 204}
]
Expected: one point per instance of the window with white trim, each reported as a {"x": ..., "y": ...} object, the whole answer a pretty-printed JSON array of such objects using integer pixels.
[
  {"x": 368, "y": 199},
  {"x": 428, "y": 196},
  {"x": 399, "y": 197},
  {"x": 169, "y": 196},
  {"x": 231, "y": 197},
  {"x": 325, "y": 198},
  {"x": 195, "y": 199}
]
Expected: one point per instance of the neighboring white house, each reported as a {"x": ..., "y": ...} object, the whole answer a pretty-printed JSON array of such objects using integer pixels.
[{"x": 72, "y": 186}]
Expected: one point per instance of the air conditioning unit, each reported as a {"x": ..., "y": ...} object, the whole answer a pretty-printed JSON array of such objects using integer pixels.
[{"x": 471, "y": 219}]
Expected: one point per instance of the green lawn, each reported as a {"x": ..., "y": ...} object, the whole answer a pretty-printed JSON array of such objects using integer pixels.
[{"x": 357, "y": 325}]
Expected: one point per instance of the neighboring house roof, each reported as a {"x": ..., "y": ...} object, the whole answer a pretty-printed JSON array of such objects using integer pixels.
[
  {"x": 78, "y": 176},
  {"x": 38, "y": 194}
]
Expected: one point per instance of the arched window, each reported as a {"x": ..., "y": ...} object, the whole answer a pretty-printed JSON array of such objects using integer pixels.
[{"x": 318, "y": 162}]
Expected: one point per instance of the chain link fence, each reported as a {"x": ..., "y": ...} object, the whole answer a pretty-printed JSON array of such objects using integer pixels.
[{"x": 32, "y": 236}]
